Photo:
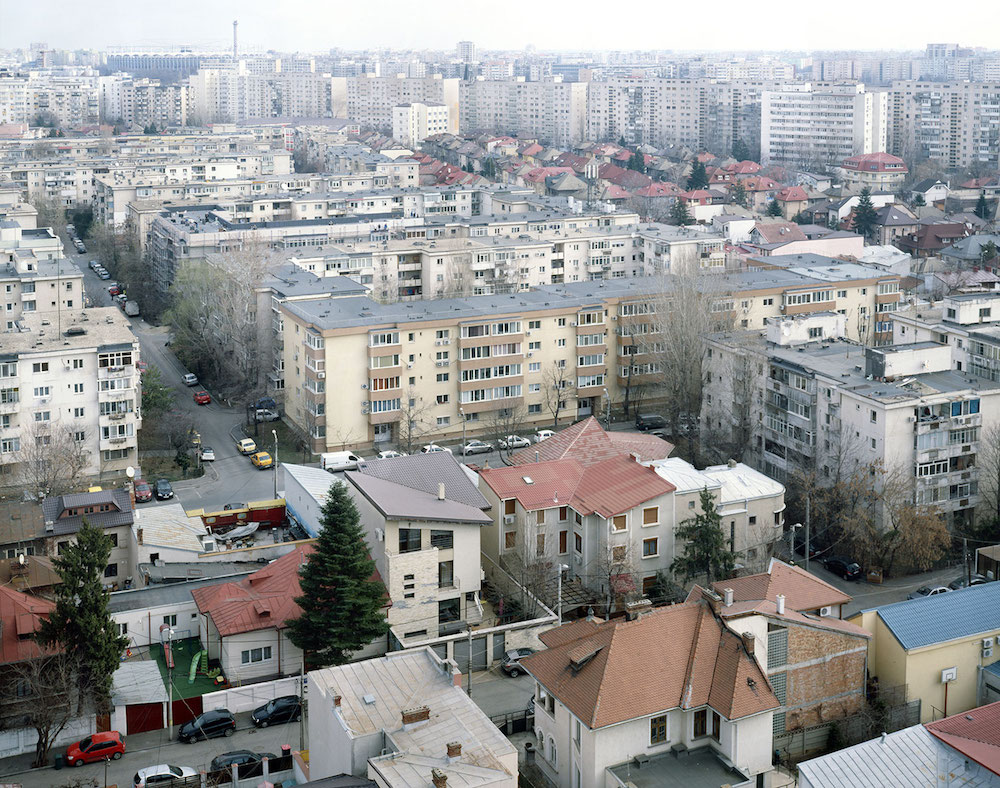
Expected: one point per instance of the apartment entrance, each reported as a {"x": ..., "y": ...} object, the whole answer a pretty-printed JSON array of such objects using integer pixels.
[{"x": 584, "y": 407}]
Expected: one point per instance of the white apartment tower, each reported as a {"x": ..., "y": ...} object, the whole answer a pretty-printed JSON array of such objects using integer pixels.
[
  {"x": 466, "y": 52},
  {"x": 413, "y": 123}
]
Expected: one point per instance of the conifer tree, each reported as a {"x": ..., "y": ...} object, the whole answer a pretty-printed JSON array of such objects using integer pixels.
[
  {"x": 698, "y": 179},
  {"x": 739, "y": 194},
  {"x": 679, "y": 213},
  {"x": 982, "y": 207},
  {"x": 705, "y": 550},
  {"x": 864, "y": 215},
  {"x": 773, "y": 209}
]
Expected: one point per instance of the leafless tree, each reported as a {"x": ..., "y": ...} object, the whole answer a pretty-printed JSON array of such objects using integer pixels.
[
  {"x": 52, "y": 457},
  {"x": 612, "y": 573},
  {"x": 557, "y": 386},
  {"x": 50, "y": 687},
  {"x": 735, "y": 377},
  {"x": 988, "y": 461},
  {"x": 414, "y": 420},
  {"x": 459, "y": 278},
  {"x": 504, "y": 423},
  {"x": 530, "y": 560}
]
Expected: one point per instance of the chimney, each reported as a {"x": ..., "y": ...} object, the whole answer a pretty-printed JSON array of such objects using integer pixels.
[
  {"x": 336, "y": 701},
  {"x": 779, "y": 600},
  {"x": 636, "y": 610},
  {"x": 590, "y": 614},
  {"x": 748, "y": 642},
  {"x": 732, "y": 463},
  {"x": 536, "y": 455},
  {"x": 635, "y": 456},
  {"x": 439, "y": 778},
  {"x": 418, "y": 714},
  {"x": 454, "y": 749},
  {"x": 441, "y": 491},
  {"x": 727, "y": 596}
]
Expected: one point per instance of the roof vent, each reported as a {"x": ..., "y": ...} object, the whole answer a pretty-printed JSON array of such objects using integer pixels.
[{"x": 369, "y": 699}]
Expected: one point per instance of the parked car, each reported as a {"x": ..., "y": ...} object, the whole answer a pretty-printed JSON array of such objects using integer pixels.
[
  {"x": 333, "y": 461},
  {"x": 266, "y": 414},
  {"x": 964, "y": 582},
  {"x": 389, "y": 454},
  {"x": 102, "y": 274},
  {"x": 261, "y": 460},
  {"x": 162, "y": 774},
  {"x": 511, "y": 662},
  {"x": 202, "y": 397},
  {"x": 163, "y": 490},
  {"x": 208, "y": 725},
  {"x": 649, "y": 421},
  {"x": 477, "y": 447},
  {"x": 542, "y": 435},
  {"x": 143, "y": 492},
  {"x": 266, "y": 402},
  {"x": 923, "y": 591},
  {"x": 96, "y": 747},
  {"x": 246, "y": 446},
  {"x": 114, "y": 289},
  {"x": 431, "y": 448},
  {"x": 287, "y": 708},
  {"x": 514, "y": 442},
  {"x": 207, "y": 454},
  {"x": 189, "y": 379},
  {"x": 94, "y": 265},
  {"x": 844, "y": 567},
  {"x": 240, "y": 758}
]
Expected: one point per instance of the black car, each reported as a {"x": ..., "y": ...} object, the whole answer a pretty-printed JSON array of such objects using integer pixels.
[
  {"x": 241, "y": 758},
  {"x": 210, "y": 725},
  {"x": 844, "y": 567},
  {"x": 287, "y": 708},
  {"x": 649, "y": 421},
  {"x": 163, "y": 490},
  {"x": 963, "y": 582}
]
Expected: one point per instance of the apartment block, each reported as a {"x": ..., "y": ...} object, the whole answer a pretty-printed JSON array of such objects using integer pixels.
[
  {"x": 553, "y": 111},
  {"x": 413, "y": 123},
  {"x": 142, "y": 102},
  {"x": 369, "y": 99},
  {"x": 69, "y": 380},
  {"x": 69, "y": 99},
  {"x": 34, "y": 275},
  {"x": 810, "y": 125}
]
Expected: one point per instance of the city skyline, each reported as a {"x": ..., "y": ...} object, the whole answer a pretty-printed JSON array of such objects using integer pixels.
[{"x": 104, "y": 23}]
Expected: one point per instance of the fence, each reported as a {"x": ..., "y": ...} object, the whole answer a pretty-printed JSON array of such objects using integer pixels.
[
  {"x": 514, "y": 722},
  {"x": 22, "y": 740},
  {"x": 249, "y": 696},
  {"x": 854, "y": 730}
]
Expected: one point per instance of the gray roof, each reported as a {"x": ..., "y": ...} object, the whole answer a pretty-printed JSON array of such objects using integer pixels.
[
  {"x": 138, "y": 681},
  {"x": 903, "y": 759},
  {"x": 402, "y": 502},
  {"x": 970, "y": 248},
  {"x": 179, "y": 571},
  {"x": 423, "y": 472},
  {"x": 167, "y": 594},
  {"x": 290, "y": 280},
  {"x": 938, "y": 619},
  {"x": 927, "y": 183},
  {"x": 120, "y": 514}
]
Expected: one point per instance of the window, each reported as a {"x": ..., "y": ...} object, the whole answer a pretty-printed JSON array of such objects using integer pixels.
[
  {"x": 658, "y": 729},
  {"x": 716, "y": 725},
  {"x": 256, "y": 655},
  {"x": 578, "y": 542},
  {"x": 563, "y": 542},
  {"x": 446, "y": 574},
  {"x": 777, "y": 646},
  {"x": 540, "y": 517},
  {"x": 114, "y": 539},
  {"x": 171, "y": 620},
  {"x": 650, "y": 548},
  {"x": 78, "y": 388},
  {"x": 40, "y": 366},
  {"x": 700, "y": 723},
  {"x": 619, "y": 522},
  {"x": 618, "y": 553},
  {"x": 77, "y": 413},
  {"x": 442, "y": 377},
  {"x": 123, "y": 629},
  {"x": 510, "y": 540},
  {"x": 540, "y": 544},
  {"x": 409, "y": 540},
  {"x": 111, "y": 570},
  {"x": 651, "y": 515}
]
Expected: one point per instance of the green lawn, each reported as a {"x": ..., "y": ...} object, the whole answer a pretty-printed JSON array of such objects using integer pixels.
[{"x": 184, "y": 651}]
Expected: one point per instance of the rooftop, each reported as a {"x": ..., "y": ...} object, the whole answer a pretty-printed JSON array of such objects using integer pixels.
[
  {"x": 975, "y": 734},
  {"x": 100, "y": 328},
  {"x": 424, "y": 472},
  {"x": 168, "y": 526},
  {"x": 165, "y": 594},
  {"x": 698, "y": 768},
  {"x": 904, "y": 758},
  {"x": 588, "y": 442},
  {"x": 802, "y": 590},
  {"x": 64, "y": 512}
]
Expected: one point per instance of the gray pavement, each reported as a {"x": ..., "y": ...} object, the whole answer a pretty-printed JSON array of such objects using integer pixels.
[{"x": 496, "y": 693}]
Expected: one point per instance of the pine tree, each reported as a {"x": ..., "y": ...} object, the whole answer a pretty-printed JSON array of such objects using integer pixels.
[
  {"x": 341, "y": 604},
  {"x": 80, "y": 623},
  {"x": 773, "y": 209},
  {"x": 698, "y": 179},
  {"x": 918, "y": 201},
  {"x": 982, "y": 208},
  {"x": 679, "y": 213},
  {"x": 637, "y": 163},
  {"x": 738, "y": 194},
  {"x": 864, "y": 215},
  {"x": 740, "y": 150},
  {"x": 705, "y": 550}
]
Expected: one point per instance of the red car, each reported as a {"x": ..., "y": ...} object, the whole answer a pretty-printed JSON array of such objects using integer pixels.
[
  {"x": 143, "y": 492},
  {"x": 114, "y": 290},
  {"x": 96, "y": 747},
  {"x": 202, "y": 397}
]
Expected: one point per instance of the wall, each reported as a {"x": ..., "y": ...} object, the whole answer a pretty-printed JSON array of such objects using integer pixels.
[
  {"x": 251, "y": 696},
  {"x": 285, "y": 659},
  {"x": 144, "y": 623},
  {"x": 22, "y": 740}
]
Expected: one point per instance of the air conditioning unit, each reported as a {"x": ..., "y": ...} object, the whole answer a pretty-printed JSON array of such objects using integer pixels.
[
  {"x": 987, "y": 652},
  {"x": 987, "y": 643},
  {"x": 438, "y": 342},
  {"x": 826, "y": 611},
  {"x": 530, "y": 354},
  {"x": 949, "y": 674},
  {"x": 409, "y": 366},
  {"x": 508, "y": 519},
  {"x": 573, "y": 324},
  {"x": 320, "y": 375},
  {"x": 379, "y": 535}
]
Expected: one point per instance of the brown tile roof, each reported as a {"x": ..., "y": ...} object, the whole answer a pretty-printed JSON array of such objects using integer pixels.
[
  {"x": 975, "y": 734},
  {"x": 802, "y": 590},
  {"x": 20, "y": 616},
  {"x": 588, "y": 442},
  {"x": 775, "y": 232},
  {"x": 674, "y": 657}
]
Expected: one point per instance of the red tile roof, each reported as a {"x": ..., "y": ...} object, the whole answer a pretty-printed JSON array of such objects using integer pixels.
[
  {"x": 777, "y": 232},
  {"x": 673, "y": 657},
  {"x": 660, "y": 189},
  {"x": 802, "y": 590},
  {"x": 758, "y": 183},
  {"x": 975, "y": 734},
  {"x": 588, "y": 442},
  {"x": 20, "y": 616},
  {"x": 791, "y": 194},
  {"x": 743, "y": 168},
  {"x": 875, "y": 162}
]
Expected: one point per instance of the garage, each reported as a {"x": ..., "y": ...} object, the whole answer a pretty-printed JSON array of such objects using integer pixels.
[{"x": 139, "y": 698}]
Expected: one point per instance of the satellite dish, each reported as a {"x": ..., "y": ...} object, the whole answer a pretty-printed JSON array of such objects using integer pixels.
[
  {"x": 130, "y": 472},
  {"x": 20, "y": 559}
]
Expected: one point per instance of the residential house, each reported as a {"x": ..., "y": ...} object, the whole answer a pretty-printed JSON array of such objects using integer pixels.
[
  {"x": 961, "y": 750},
  {"x": 165, "y": 534},
  {"x": 672, "y": 695},
  {"x": 22, "y": 529},
  {"x": 933, "y": 191},
  {"x": 937, "y": 646},
  {"x": 874, "y": 171},
  {"x": 734, "y": 227},
  {"x": 760, "y": 190},
  {"x": 892, "y": 222},
  {"x": 930, "y": 239},
  {"x": 405, "y": 721},
  {"x": 32, "y": 574},
  {"x": 775, "y": 232},
  {"x": 21, "y": 615},
  {"x": 656, "y": 199},
  {"x": 793, "y": 200},
  {"x": 973, "y": 251}
]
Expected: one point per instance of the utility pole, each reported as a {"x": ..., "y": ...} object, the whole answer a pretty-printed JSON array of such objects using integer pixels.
[
  {"x": 807, "y": 531},
  {"x": 470, "y": 662},
  {"x": 274, "y": 462},
  {"x": 968, "y": 565},
  {"x": 461, "y": 413},
  {"x": 302, "y": 700},
  {"x": 170, "y": 683}
]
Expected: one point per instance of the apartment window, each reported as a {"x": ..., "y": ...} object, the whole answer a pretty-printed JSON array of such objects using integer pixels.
[
  {"x": 563, "y": 542},
  {"x": 442, "y": 540},
  {"x": 658, "y": 729},
  {"x": 578, "y": 542},
  {"x": 78, "y": 388},
  {"x": 409, "y": 540},
  {"x": 651, "y": 515},
  {"x": 111, "y": 570},
  {"x": 619, "y": 522},
  {"x": 442, "y": 399},
  {"x": 77, "y": 413},
  {"x": 700, "y": 723},
  {"x": 443, "y": 421},
  {"x": 540, "y": 544},
  {"x": 510, "y": 540},
  {"x": 874, "y": 416},
  {"x": 446, "y": 574},
  {"x": 40, "y": 366},
  {"x": 256, "y": 655},
  {"x": 650, "y": 548},
  {"x": 442, "y": 377},
  {"x": 540, "y": 517}
]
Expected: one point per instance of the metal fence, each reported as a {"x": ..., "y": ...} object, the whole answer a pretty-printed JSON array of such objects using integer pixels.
[{"x": 514, "y": 722}]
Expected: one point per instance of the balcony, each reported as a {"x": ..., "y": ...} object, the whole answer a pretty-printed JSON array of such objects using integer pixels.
[{"x": 107, "y": 373}]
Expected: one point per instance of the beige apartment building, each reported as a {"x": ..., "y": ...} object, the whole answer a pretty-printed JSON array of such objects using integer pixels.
[
  {"x": 553, "y": 111},
  {"x": 369, "y": 99},
  {"x": 449, "y": 365}
]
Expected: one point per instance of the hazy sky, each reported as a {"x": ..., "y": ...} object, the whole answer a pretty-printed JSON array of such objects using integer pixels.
[{"x": 311, "y": 25}]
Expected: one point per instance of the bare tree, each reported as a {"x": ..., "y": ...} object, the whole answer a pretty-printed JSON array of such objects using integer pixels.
[
  {"x": 736, "y": 378},
  {"x": 556, "y": 387},
  {"x": 52, "y": 457},
  {"x": 529, "y": 560},
  {"x": 50, "y": 687},
  {"x": 414, "y": 421},
  {"x": 503, "y": 423},
  {"x": 612, "y": 573},
  {"x": 988, "y": 461}
]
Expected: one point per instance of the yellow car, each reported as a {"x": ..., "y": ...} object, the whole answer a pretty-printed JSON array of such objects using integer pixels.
[
  {"x": 246, "y": 446},
  {"x": 261, "y": 460}
]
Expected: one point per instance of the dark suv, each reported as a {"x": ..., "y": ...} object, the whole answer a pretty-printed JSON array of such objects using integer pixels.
[
  {"x": 649, "y": 421},
  {"x": 287, "y": 708},
  {"x": 845, "y": 567},
  {"x": 210, "y": 725}
]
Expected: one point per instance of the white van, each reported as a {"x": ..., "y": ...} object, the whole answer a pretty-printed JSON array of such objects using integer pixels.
[{"x": 339, "y": 461}]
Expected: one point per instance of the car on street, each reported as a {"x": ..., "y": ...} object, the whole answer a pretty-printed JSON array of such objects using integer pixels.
[
  {"x": 477, "y": 447},
  {"x": 923, "y": 591},
  {"x": 207, "y": 454},
  {"x": 511, "y": 662},
  {"x": 103, "y": 275},
  {"x": 94, "y": 265},
  {"x": 261, "y": 460},
  {"x": 208, "y": 725},
  {"x": 842, "y": 567},
  {"x": 266, "y": 414},
  {"x": 246, "y": 445},
  {"x": 80, "y": 248},
  {"x": 389, "y": 454},
  {"x": 202, "y": 397},
  {"x": 287, "y": 708},
  {"x": 649, "y": 421},
  {"x": 431, "y": 448},
  {"x": 96, "y": 747},
  {"x": 163, "y": 490},
  {"x": 542, "y": 435},
  {"x": 514, "y": 442},
  {"x": 964, "y": 582},
  {"x": 240, "y": 758},
  {"x": 161, "y": 775},
  {"x": 114, "y": 290},
  {"x": 143, "y": 492},
  {"x": 189, "y": 379}
]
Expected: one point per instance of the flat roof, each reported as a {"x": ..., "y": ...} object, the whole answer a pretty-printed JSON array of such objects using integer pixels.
[
  {"x": 72, "y": 329},
  {"x": 697, "y": 768},
  {"x": 166, "y": 594}
]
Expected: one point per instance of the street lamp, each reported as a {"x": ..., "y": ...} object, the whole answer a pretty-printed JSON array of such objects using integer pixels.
[
  {"x": 607, "y": 410},
  {"x": 461, "y": 413},
  {"x": 275, "y": 462},
  {"x": 561, "y": 568}
]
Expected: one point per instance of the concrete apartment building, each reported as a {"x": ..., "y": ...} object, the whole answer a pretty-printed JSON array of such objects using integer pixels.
[
  {"x": 552, "y": 110},
  {"x": 413, "y": 123},
  {"x": 460, "y": 359},
  {"x": 954, "y": 123},
  {"x": 142, "y": 102},
  {"x": 807, "y": 125},
  {"x": 369, "y": 99},
  {"x": 35, "y": 277},
  {"x": 70, "y": 99},
  {"x": 70, "y": 379}
]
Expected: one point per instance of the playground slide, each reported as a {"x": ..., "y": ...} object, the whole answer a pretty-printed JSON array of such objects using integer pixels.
[{"x": 194, "y": 666}]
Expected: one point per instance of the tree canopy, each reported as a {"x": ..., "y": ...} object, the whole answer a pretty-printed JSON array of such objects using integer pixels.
[
  {"x": 705, "y": 550},
  {"x": 982, "y": 207},
  {"x": 679, "y": 213},
  {"x": 864, "y": 215},
  {"x": 698, "y": 179},
  {"x": 741, "y": 152},
  {"x": 773, "y": 208}
]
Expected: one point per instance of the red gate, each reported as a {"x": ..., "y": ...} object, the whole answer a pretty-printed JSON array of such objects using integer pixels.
[
  {"x": 142, "y": 717},
  {"x": 186, "y": 709}
]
